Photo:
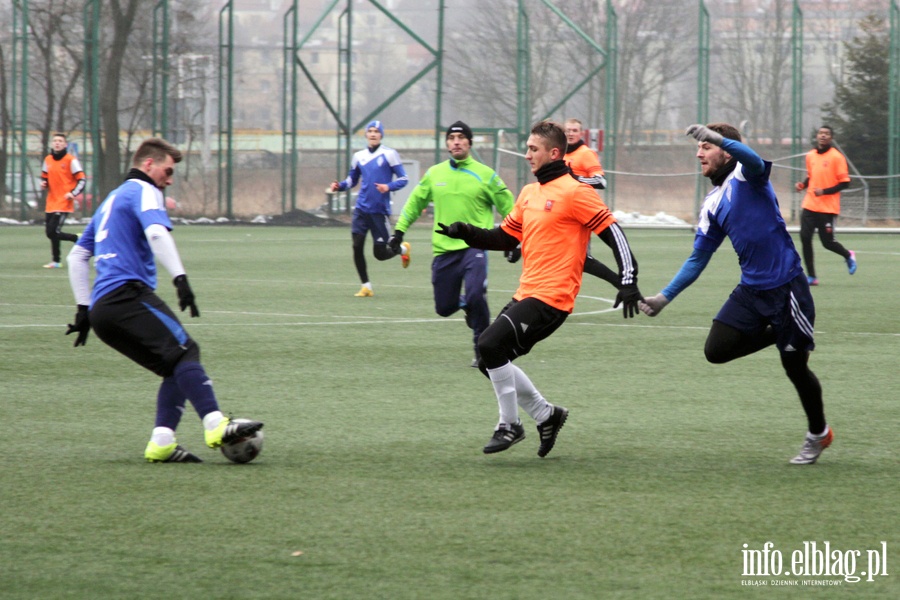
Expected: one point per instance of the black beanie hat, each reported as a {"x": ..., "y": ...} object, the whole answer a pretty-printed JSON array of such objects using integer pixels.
[{"x": 460, "y": 127}]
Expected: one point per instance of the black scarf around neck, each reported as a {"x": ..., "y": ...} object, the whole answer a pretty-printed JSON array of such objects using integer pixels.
[
  {"x": 138, "y": 174},
  {"x": 58, "y": 155},
  {"x": 551, "y": 171},
  {"x": 722, "y": 173},
  {"x": 573, "y": 147}
]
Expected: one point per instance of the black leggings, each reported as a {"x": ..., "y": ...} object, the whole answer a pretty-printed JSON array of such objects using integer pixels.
[
  {"x": 810, "y": 221},
  {"x": 53, "y": 229},
  {"x": 380, "y": 251},
  {"x": 725, "y": 343}
]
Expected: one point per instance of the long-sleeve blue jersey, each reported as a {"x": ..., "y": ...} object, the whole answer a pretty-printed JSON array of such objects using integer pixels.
[
  {"x": 744, "y": 208},
  {"x": 380, "y": 165}
]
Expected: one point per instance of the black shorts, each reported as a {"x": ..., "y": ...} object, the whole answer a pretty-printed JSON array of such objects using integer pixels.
[
  {"x": 521, "y": 325},
  {"x": 136, "y": 322}
]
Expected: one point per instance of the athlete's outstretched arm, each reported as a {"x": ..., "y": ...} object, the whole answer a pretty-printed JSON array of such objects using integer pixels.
[
  {"x": 614, "y": 237},
  {"x": 687, "y": 275},
  {"x": 477, "y": 237},
  {"x": 629, "y": 296},
  {"x": 753, "y": 164}
]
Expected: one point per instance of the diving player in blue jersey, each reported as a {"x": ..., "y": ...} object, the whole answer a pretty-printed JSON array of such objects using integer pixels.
[
  {"x": 377, "y": 166},
  {"x": 772, "y": 304},
  {"x": 128, "y": 231}
]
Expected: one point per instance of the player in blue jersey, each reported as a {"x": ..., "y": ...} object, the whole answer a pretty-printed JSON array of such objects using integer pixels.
[
  {"x": 772, "y": 304},
  {"x": 381, "y": 172},
  {"x": 129, "y": 230}
]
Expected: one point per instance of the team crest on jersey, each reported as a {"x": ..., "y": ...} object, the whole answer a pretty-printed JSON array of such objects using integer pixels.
[
  {"x": 380, "y": 161},
  {"x": 548, "y": 206}
]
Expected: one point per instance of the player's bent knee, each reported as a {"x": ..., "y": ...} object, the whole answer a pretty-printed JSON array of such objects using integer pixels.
[
  {"x": 446, "y": 310},
  {"x": 382, "y": 252},
  {"x": 716, "y": 354}
]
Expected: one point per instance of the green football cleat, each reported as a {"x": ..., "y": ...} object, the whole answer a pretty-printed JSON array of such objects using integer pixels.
[
  {"x": 230, "y": 430},
  {"x": 171, "y": 453}
]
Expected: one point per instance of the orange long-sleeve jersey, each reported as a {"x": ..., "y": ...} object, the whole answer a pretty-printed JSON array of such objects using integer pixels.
[
  {"x": 584, "y": 162},
  {"x": 825, "y": 170},
  {"x": 554, "y": 222}
]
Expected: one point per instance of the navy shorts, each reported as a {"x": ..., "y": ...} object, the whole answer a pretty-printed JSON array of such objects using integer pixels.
[
  {"x": 789, "y": 309},
  {"x": 378, "y": 224},
  {"x": 133, "y": 320}
]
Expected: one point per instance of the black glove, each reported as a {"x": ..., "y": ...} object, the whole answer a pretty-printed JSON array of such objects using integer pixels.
[
  {"x": 395, "y": 241},
  {"x": 628, "y": 297},
  {"x": 458, "y": 230},
  {"x": 185, "y": 295},
  {"x": 513, "y": 255},
  {"x": 82, "y": 325}
]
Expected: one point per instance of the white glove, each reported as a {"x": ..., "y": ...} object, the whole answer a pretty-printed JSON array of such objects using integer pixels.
[
  {"x": 702, "y": 133},
  {"x": 653, "y": 306}
]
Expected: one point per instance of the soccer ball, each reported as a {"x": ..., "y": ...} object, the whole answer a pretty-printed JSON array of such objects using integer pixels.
[{"x": 245, "y": 449}]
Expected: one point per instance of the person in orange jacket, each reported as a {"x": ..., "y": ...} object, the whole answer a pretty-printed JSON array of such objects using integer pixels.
[
  {"x": 585, "y": 166},
  {"x": 827, "y": 176},
  {"x": 63, "y": 178}
]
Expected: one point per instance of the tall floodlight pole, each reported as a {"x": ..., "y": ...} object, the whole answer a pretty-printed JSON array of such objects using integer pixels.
[
  {"x": 612, "y": 72},
  {"x": 796, "y": 93},
  {"x": 19, "y": 114},
  {"x": 523, "y": 88},
  {"x": 160, "y": 103},
  {"x": 894, "y": 114},
  {"x": 226, "y": 106},
  {"x": 702, "y": 86},
  {"x": 91, "y": 106}
]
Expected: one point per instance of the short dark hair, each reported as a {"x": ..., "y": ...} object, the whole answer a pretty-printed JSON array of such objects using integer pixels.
[
  {"x": 59, "y": 134},
  {"x": 727, "y": 131},
  {"x": 552, "y": 132},
  {"x": 828, "y": 127},
  {"x": 157, "y": 149}
]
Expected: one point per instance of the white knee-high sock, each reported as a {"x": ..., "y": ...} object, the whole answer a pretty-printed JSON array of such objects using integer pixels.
[
  {"x": 530, "y": 399},
  {"x": 504, "y": 381}
]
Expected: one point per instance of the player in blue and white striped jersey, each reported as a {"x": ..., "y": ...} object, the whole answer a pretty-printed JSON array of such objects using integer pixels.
[
  {"x": 772, "y": 303},
  {"x": 381, "y": 172},
  {"x": 129, "y": 230}
]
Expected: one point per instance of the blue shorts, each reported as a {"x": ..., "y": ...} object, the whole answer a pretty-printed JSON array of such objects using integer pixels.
[
  {"x": 378, "y": 224},
  {"x": 789, "y": 309}
]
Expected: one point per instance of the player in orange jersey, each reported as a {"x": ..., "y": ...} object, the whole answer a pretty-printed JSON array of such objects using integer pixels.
[
  {"x": 585, "y": 166},
  {"x": 63, "y": 178},
  {"x": 827, "y": 175},
  {"x": 553, "y": 219}
]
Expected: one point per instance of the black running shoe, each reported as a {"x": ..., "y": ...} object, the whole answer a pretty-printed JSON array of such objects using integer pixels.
[
  {"x": 504, "y": 437},
  {"x": 549, "y": 429}
]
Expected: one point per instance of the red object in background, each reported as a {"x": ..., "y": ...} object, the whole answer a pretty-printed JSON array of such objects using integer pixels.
[{"x": 593, "y": 138}]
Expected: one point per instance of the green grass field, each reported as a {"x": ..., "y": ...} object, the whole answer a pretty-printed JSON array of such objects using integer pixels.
[{"x": 372, "y": 466}]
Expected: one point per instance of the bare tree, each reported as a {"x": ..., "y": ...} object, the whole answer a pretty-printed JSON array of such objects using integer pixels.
[
  {"x": 56, "y": 66},
  {"x": 656, "y": 54}
]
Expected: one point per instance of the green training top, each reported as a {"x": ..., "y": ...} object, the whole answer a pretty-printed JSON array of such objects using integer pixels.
[{"x": 464, "y": 190}]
